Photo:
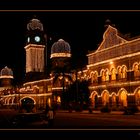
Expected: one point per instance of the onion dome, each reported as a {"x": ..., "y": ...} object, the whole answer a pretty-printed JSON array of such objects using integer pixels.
[
  {"x": 6, "y": 73},
  {"x": 61, "y": 48},
  {"x": 35, "y": 24}
]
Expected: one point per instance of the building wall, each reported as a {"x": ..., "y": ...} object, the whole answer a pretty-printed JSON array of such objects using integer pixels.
[{"x": 114, "y": 73}]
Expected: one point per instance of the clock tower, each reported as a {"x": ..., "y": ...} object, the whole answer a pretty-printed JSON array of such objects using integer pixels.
[{"x": 35, "y": 50}]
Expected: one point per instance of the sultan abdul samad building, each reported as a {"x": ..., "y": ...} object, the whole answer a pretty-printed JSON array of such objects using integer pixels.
[{"x": 113, "y": 70}]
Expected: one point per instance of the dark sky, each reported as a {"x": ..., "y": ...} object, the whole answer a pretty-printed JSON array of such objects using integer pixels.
[{"x": 83, "y": 30}]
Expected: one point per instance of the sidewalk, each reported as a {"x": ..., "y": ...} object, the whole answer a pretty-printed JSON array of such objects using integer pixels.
[
  {"x": 95, "y": 112},
  {"x": 87, "y": 112}
]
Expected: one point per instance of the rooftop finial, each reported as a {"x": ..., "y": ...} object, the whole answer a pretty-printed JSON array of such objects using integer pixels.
[
  {"x": 34, "y": 16},
  {"x": 108, "y": 22}
]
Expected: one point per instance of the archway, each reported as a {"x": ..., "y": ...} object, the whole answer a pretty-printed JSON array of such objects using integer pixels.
[
  {"x": 94, "y": 99},
  {"x": 10, "y": 101},
  {"x": 58, "y": 100},
  {"x": 137, "y": 98},
  {"x": 123, "y": 98},
  {"x": 113, "y": 99},
  {"x": 27, "y": 104},
  {"x": 49, "y": 102},
  {"x": 105, "y": 97}
]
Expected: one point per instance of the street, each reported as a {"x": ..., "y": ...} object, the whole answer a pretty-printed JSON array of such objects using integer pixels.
[
  {"x": 79, "y": 120},
  {"x": 97, "y": 120}
]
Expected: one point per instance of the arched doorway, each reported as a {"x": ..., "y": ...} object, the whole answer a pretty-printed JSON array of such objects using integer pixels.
[
  {"x": 137, "y": 98},
  {"x": 58, "y": 100},
  {"x": 27, "y": 104},
  {"x": 123, "y": 98},
  {"x": 113, "y": 99},
  {"x": 94, "y": 99},
  {"x": 49, "y": 102},
  {"x": 105, "y": 98}
]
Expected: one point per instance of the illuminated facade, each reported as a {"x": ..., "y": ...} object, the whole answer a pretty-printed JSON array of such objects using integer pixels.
[{"x": 114, "y": 72}]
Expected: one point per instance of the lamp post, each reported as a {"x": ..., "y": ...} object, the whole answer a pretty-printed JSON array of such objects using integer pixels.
[{"x": 76, "y": 86}]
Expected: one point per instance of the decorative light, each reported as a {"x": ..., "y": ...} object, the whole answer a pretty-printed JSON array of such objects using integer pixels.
[
  {"x": 34, "y": 58},
  {"x": 38, "y": 81},
  {"x": 35, "y": 24},
  {"x": 120, "y": 84},
  {"x": 114, "y": 59},
  {"x": 60, "y": 55},
  {"x": 6, "y": 76}
]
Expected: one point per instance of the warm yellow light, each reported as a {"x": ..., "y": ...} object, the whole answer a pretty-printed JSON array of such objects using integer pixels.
[
  {"x": 111, "y": 63},
  {"x": 6, "y": 76},
  {"x": 58, "y": 99},
  {"x": 60, "y": 55}
]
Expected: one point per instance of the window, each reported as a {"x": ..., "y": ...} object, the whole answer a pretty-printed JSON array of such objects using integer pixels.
[
  {"x": 119, "y": 73},
  {"x": 107, "y": 75},
  {"x": 95, "y": 77},
  {"x": 105, "y": 98},
  {"x": 103, "y": 75},
  {"x": 124, "y": 72},
  {"x": 136, "y": 70},
  {"x": 113, "y": 74}
]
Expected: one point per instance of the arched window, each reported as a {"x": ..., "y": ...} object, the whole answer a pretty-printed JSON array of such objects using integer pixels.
[
  {"x": 74, "y": 77},
  {"x": 95, "y": 76},
  {"x": 105, "y": 98},
  {"x": 136, "y": 70},
  {"x": 79, "y": 75},
  {"x": 113, "y": 74},
  {"x": 87, "y": 75},
  {"x": 123, "y": 98},
  {"x": 124, "y": 72},
  {"x": 58, "y": 99},
  {"x": 113, "y": 100},
  {"x": 137, "y": 98},
  {"x": 91, "y": 76},
  {"x": 106, "y": 75},
  {"x": 94, "y": 99},
  {"x": 103, "y": 75},
  {"x": 119, "y": 73}
]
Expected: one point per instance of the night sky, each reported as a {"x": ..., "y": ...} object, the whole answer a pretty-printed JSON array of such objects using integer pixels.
[{"x": 83, "y": 30}]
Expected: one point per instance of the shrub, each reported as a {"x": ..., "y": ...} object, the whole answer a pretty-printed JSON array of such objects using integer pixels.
[
  {"x": 130, "y": 110},
  {"x": 105, "y": 109}
]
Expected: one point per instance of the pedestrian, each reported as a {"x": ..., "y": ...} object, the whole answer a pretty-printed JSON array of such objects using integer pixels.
[
  {"x": 70, "y": 107},
  {"x": 50, "y": 114}
]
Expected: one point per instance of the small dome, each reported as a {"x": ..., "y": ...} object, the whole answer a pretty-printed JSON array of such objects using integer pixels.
[
  {"x": 35, "y": 24},
  {"x": 61, "y": 48},
  {"x": 6, "y": 73}
]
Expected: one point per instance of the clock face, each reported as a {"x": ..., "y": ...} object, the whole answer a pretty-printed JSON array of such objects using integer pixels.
[
  {"x": 37, "y": 38},
  {"x": 28, "y": 39}
]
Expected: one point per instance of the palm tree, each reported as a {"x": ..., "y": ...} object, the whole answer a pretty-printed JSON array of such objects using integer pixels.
[
  {"x": 80, "y": 98},
  {"x": 62, "y": 72}
]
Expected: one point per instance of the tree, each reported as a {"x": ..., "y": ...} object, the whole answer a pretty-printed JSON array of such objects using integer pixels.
[{"x": 78, "y": 94}]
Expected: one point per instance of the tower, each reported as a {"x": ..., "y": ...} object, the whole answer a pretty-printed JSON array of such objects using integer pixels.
[
  {"x": 35, "y": 50},
  {"x": 60, "y": 60}
]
